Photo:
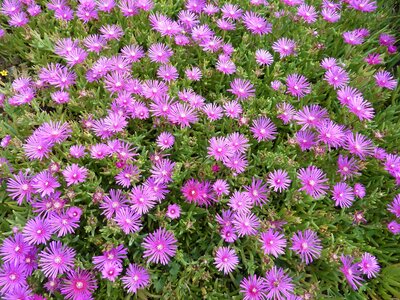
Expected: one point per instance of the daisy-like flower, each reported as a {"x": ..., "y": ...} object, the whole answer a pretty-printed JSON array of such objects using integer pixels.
[
  {"x": 231, "y": 11},
  {"x": 159, "y": 246},
  {"x": 238, "y": 142},
  {"x": 257, "y": 192},
  {"x": 132, "y": 53},
  {"x": 44, "y": 183},
  {"x": 113, "y": 256},
  {"x": 37, "y": 231},
  {"x": 128, "y": 220},
  {"x": 226, "y": 260},
  {"x": 284, "y": 47},
  {"x": 79, "y": 285},
  {"x": 278, "y": 284},
  {"x": 273, "y": 243},
  {"x": 19, "y": 187},
  {"x": 363, "y": 5},
  {"x": 297, "y": 85},
  {"x": 193, "y": 73},
  {"x": 36, "y": 147},
  {"x": 351, "y": 272},
  {"x": 219, "y": 148},
  {"x": 263, "y": 57},
  {"x": 373, "y": 59},
  {"x": 394, "y": 207},
  {"x": 165, "y": 140},
  {"x": 136, "y": 278},
  {"x": 359, "y": 145},
  {"x": 12, "y": 277},
  {"x": 279, "y": 180},
  {"x": 246, "y": 224},
  {"x": 369, "y": 265},
  {"x": 307, "y": 245},
  {"x": 63, "y": 224},
  {"x": 237, "y": 163},
  {"x": 111, "y": 271},
  {"x": 394, "y": 227},
  {"x": 233, "y": 109},
  {"x": 256, "y": 24},
  {"x": 242, "y": 89},
  {"x": 173, "y": 211},
  {"x": 343, "y": 195},
  {"x": 306, "y": 139},
  {"x": 337, "y": 77},
  {"x": 221, "y": 187},
  {"x": 14, "y": 249},
  {"x": 253, "y": 288},
  {"x": 263, "y": 129},
  {"x": 385, "y": 79},
  {"x": 347, "y": 167},
  {"x": 361, "y": 108},
  {"x": 313, "y": 181},
  {"x": 113, "y": 203},
  {"x": 330, "y": 15},
  {"x": 359, "y": 190},
  {"x": 56, "y": 259},
  {"x": 142, "y": 199},
  {"x": 167, "y": 73},
  {"x": 77, "y": 151},
  {"x": 240, "y": 202},
  {"x": 182, "y": 114},
  {"x": 311, "y": 116},
  {"x": 74, "y": 174},
  {"x": 307, "y": 13},
  {"x": 160, "y": 53},
  {"x": 331, "y": 133}
]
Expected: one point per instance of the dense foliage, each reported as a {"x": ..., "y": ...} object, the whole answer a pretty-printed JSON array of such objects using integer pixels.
[{"x": 194, "y": 150}]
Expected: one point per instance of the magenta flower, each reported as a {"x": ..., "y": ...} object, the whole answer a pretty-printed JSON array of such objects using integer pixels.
[
  {"x": 193, "y": 73},
  {"x": 337, "y": 77},
  {"x": 182, "y": 115},
  {"x": 369, "y": 265},
  {"x": 263, "y": 129},
  {"x": 394, "y": 207},
  {"x": 111, "y": 271},
  {"x": 173, "y": 211},
  {"x": 313, "y": 181},
  {"x": 226, "y": 66},
  {"x": 256, "y": 24},
  {"x": 284, "y": 47},
  {"x": 311, "y": 116},
  {"x": 160, "y": 246},
  {"x": 257, "y": 192},
  {"x": 136, "y": 278},
  {"x": 242, "y": 89},
  {"x": 394, "y": 227},
  {"x": 37, "y": 231},
  {"x": 12, "y": 277},
  {"x": 307, "y": 245},
  {"x": 240, "y": 202},
  {"x": 279, "y": 180},
  {"x": 20, "y": 187},
  {"x": 237, "y": 163},
  {"x": 79, "y": 285},
  {"x": 14, "y": 249},
  {"x": 385, "y": 79},
  {"x": 263, "y": 57},
  {"x": 359, "y": 190},
  {"x": 306, "y": 139},
  {"x": 297, "y": 85},
  {"x": 226, "y": 260},
  {"x": 74, "y": 174},
  {"x": 44, "y": 183},
  {"x": 343, "y": 195},
  {"x": 128, "y": 220},
  {"x": 113, "y": 203},
  {"x": 359, "y": 145},
  {"x": 351, "y": 272},
  {"x": 347, "y": 167},
  {"x": 219, "y": 148},
  {"x": 56, "y": 259},
  {"x": 231, "y": 11},
  {"x": 273, "y": 243},
  {"x": 253, "y": 288},
  {"x": 246, "y": 224},
  {"x": 63, "y": 224},
  {"x": 160, "y": 53},
  {"x": 331, "y": 134},
  {"x": 114, "y": 256},
  {"x": 278, "y": 284},
  {"x": 363, "y": 5}
]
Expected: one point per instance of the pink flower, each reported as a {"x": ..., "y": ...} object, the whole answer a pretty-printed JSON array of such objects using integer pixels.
[{"x": 74, "y": 174}]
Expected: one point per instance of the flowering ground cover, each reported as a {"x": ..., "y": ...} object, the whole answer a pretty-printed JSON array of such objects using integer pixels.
[{"x": 242, "y": 149}]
